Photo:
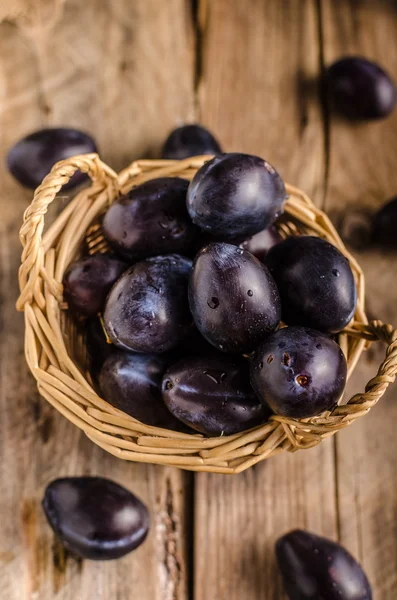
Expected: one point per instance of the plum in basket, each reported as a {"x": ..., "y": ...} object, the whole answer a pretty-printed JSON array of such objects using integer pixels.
[
  {"x": 299, "y": 372},
  {"x": 315, "y": 282},
  {"x": 233, "y": 298},
  {"x": 132, "y": 383},
  {"x": 88, "y": 281},
  {"x": 235, "y": 195},
  {"x": 147, "y": 309},
  {"x": 150, "y": 220},
  {"x": 213, "y": 395}
]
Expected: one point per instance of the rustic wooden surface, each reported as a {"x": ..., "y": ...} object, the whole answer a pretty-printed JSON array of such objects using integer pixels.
[{"x": 128, "y": 72}]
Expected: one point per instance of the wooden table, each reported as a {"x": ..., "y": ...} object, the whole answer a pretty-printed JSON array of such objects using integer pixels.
[{"x": 128, "y": 71}]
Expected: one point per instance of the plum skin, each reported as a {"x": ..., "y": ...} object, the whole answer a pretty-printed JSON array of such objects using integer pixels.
[
  {"x": 147, "y": 309},
  {"x": 233, "y": 298},
  {"x": 189, "y": 140},
  {"x": 87, "y": 282},
  {"x": 212, "y": 395},
  {"x": 32, "y": 157},
  {"x": 360, "y": 89},
  {"x": 315, "y": 282},
  {"x": 314, "y": 567},
  {"x": 299, "y": 372},
  {"x": 235, "y": 195},
  {"x": 260, "y": 243},
  {"x": 90, "y": 517},
  {"x": 150, "y": 220},
  {"x": 132, "y": 383}
]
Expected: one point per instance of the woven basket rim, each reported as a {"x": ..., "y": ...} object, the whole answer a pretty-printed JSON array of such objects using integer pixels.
[{"x": 49, "y": 334}]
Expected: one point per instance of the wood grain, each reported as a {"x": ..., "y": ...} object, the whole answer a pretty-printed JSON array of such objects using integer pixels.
[
  {"x": 124, "y": 72},
  {"x": 258, "y": 92},
  {"x": 362, "y": 176},
  {"x": 128, "y": 72}
]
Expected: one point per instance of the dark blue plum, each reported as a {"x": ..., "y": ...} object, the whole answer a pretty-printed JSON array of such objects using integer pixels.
[
  {"x": 98, "y": 349},
  {"x": 147, "y": 309},
  {"x": 315, "y": 568},
  {"x": 360, "y": 89},
  {"x": 260, "y": 243},
  {"x": 233, "y": 298},
  {"x": 132, "y": 383},
  {"x": 189, "y": 140},
  {"x": 299, "y": 372},
  {"x": 88, "y": 281},
  {"x": 151, "y": 220},
  {"x": 32, "y": 158},
  {"x": 94, "y": 517},
  {"x": 315, "y": 282},
  {"x": 235, "y": 196},
  {"x": 212, "y": 395}
]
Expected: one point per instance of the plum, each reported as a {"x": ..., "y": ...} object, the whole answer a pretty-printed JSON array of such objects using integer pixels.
[
  {"x": 233, "y": 298},
  {"x": 299, "y": 372},
  {"x": 315, "y": 568},
  {"x": 235, "y": 195}
]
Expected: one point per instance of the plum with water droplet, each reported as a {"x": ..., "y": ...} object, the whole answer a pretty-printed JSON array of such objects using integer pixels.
[
  {"x": 147, "y": 309},
  {"x": 360, "y": 88},
  {"x": 299, "y": 372},
  {"x": 235, "y": 195},
  {"x": 190, "y": 140},
  {"x": 88, "y": 281},
  {"x": 32, "y": 158},
  {"x": 94, "y": 517},
  {"x": 212, "y": 395},
  {"x": 132, "y": 383},
  {"x": 150, "y": 220},
  {"x": 315, "y": 568},
  {"x": 233, "y": 298},
  {"x": 315, "y": 282}
]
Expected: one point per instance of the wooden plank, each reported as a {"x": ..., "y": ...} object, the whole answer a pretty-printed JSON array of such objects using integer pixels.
[
  {"x": 362, "y": 176},
  {"x": 256, "y": 64},
  {"x": 124, "y": 72}
]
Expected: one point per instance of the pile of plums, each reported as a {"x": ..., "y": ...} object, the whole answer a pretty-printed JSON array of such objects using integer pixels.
[{"x": 209, "y": 321}]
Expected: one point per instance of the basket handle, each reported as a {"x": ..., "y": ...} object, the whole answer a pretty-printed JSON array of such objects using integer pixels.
[
  {"x": 376, "y": 387},
  {"x": 33, "y": 220}
]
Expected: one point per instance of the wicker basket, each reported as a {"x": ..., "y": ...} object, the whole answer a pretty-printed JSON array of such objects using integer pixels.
[{"x": 55, "y": 351}]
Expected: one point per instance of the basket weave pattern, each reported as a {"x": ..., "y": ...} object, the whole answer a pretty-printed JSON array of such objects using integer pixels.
[{"x": 55, "y": 350}]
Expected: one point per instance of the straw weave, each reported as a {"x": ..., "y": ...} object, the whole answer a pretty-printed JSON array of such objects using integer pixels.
[{"x": 55, "y": 349}]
